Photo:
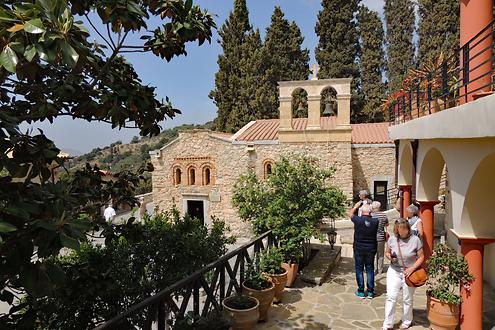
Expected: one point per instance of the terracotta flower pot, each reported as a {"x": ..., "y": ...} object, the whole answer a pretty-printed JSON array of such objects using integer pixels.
[
  {"x": 291, "y": 273},
  {"x": 442, "y": 316},
  {"x": 279, "y": 280},
  {"x": 242, "y": 319},
  {"x": 265, "y": 297}
]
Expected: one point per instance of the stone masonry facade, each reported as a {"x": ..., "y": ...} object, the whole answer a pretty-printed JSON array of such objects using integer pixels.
[{"x": 227, "y": 161}]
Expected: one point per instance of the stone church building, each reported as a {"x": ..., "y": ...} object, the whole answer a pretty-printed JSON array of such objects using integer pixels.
[{"x": 197, "y": 171}]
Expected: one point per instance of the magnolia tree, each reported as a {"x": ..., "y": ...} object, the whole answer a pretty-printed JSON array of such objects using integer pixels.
[
  {"x": 50, "y": 66},
  {"x": 291, "y": 202}
]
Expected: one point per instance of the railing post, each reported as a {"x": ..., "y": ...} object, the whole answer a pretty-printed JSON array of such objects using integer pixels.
[
  {"x": 429, "y": 93},
  {"x": 410, "y": 103},
  {"x": 445, "y": 83},
  {"x": 465, "y": 70},
  {"x": 161, "y": 315},
  {"x": 418, "y": 96},
  {"x": 196, "y": 298},
  {"x": 222, "y": 283}
]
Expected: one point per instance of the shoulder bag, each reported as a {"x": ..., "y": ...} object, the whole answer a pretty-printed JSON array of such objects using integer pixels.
[{"x": 418, "y": 277}]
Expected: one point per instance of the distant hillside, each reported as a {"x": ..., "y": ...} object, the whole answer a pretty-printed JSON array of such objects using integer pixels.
[{"x": 118, "y": 156}]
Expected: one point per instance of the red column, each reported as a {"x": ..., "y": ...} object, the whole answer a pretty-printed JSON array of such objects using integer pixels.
[
  {"x": 472, "y": 302},
  {"x": 406, "y": 198},
  {"x": 427, "y": 216},
  {"x": 475, "y": 15}
]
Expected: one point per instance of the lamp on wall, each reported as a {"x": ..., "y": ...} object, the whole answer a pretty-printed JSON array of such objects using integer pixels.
[{"x": 332, "y": 233}]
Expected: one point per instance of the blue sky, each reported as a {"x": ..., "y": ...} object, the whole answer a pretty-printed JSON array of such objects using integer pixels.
[{"x": 188, "y": 80}]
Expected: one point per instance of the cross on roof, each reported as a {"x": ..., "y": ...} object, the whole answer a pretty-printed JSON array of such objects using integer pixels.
[{"x": 314, "y": 70}]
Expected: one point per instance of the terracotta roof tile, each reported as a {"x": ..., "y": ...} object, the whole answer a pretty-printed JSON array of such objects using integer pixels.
[
  {"x": 370, "y": 133},
  {"x": 267, "y": 129}
]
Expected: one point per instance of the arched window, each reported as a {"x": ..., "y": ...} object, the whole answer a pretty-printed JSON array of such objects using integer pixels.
[
  {"x": 177, "y": 176},
  {"x": 267, "y": 169},
  {"x": 206, "y": 176},
  {"x": 192, "y": 176}
]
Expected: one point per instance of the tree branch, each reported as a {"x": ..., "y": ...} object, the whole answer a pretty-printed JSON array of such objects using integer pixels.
[
  {"x": 110, "y": 36},
  {"x": 101, "y": 36},
  {"x": 107, "y": 64}
]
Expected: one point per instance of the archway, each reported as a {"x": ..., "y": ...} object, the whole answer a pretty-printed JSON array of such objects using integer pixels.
[
  {"x": 299, "y": 103},
  {"x": 477, "y": 216},
  {"x": 432, "y": 178},
  {"x": 405, "y": 163},
  {"x": 477, "y": 231}
]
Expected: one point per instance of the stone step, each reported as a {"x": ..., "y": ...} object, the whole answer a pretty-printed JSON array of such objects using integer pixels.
[{"x": 322, "y": 263}]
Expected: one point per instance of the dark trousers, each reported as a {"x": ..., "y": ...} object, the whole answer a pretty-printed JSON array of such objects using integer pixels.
[{"x": 365, "y": 259}]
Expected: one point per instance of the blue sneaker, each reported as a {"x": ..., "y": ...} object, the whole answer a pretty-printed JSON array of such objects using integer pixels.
[
  {"x": 370, "y": 295},
  {"x": 359, "y": 294}
]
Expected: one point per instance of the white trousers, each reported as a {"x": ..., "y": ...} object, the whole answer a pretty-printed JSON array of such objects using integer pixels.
[{"x": 395, "y": 281}]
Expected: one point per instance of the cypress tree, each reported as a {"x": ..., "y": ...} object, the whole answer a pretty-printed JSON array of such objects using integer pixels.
[
  {"x": 228, "y": 79},
  {"x": 399, "y": 18},
  {"x": 283, "y": 59},
  {"x": 438, "y": 29},
  {"x": 248, "y": 106},
  {"x": 372, "y": 63},
  {"x": 338, "y": 45}
]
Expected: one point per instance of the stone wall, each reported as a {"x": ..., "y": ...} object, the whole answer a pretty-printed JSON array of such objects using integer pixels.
[
  {"x": 372, "y": 163},
  {"x": 228, "y": 161}
]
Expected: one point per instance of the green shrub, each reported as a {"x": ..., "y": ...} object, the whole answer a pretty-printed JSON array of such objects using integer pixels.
[
  {"x": 241, "y": 301},
  {"x": 255, "y": 278},
  {"x": 291, "y": 202},
  {"x": 271, "y": 261},
  {"x": 137, "y": 261},
  {"x": 447, "y": 271}
]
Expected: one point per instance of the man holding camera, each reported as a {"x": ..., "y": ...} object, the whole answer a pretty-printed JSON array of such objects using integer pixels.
[{"x": 365, "y": 245}]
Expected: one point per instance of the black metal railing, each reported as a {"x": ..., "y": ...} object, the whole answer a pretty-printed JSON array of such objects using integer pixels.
[
  {"x": 207, "y": 288},
  {"x": 450, "y": 81},
  {"x": 389, "y": 196}
]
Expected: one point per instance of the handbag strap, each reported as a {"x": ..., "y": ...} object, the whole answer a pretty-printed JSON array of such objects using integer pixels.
[{"x": 400, "y": 253}]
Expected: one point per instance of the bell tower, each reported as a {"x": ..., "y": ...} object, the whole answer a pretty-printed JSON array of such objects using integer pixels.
[{"x": 329, "y": 121}]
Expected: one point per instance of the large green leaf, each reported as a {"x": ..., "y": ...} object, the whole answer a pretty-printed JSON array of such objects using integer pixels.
[
  {"x": 34, "y": 26},
  {"x": 69, "y": 242},
  {"x": 70, "y": 55},
  {"x": 30, "y": 53},
  {"x": 6, "y": 227},
  {"x": 8, "y": 59}
]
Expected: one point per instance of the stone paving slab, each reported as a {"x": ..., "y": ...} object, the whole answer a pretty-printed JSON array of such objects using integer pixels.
[{"x": 333, "y": 305}]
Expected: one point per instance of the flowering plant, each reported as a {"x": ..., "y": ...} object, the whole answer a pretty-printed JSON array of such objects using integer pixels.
[{"x": 447, "y": 272}]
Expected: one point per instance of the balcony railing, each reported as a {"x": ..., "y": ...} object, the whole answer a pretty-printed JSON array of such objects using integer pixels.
[
  {"x": 448, "y": 82},
  {"x": 206, "y": 288}
]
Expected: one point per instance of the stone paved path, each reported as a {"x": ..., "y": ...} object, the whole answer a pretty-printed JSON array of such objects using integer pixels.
[{"x": 333, "y": 305}]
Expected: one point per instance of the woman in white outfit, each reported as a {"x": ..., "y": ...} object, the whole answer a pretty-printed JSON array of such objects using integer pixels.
[
  {"x": 414, "y": 220},
  {"x": 411, "y": 249}
]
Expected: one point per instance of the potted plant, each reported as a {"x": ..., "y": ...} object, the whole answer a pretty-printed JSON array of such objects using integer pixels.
[
  {"x": 292, "y": 252},
  {"x": 447, "y": 272},
  {"x": 258, "y": 285},
  {"x": 243, "y": 310},
  {"x": 271, "y": 264},
  {"x": 214, "y": 321}
]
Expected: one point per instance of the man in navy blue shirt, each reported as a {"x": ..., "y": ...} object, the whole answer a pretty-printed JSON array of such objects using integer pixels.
[{"x": 365, "y": 244}]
